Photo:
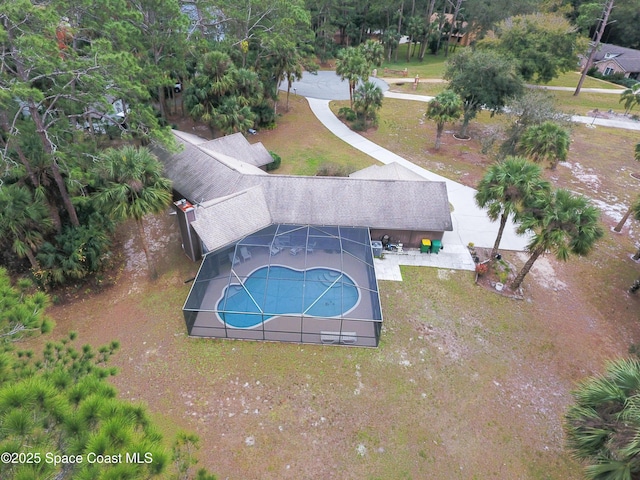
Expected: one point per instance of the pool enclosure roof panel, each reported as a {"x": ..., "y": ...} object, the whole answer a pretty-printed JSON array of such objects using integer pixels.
[{"x": 285, "y": 272}]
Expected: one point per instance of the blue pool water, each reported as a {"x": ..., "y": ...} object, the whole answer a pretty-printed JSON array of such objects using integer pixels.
[{"x": 317, "y": 292}]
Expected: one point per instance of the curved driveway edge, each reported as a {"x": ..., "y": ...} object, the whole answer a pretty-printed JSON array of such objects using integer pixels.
[{"x": 470, "y": 224}]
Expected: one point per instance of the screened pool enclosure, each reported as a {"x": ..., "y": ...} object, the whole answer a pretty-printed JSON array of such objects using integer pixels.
[{"x": 290, "y": 283}]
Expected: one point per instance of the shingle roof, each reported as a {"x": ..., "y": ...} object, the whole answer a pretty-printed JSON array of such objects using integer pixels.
[
  {"x": 389, "y": 171},
  {"x": 222, "y": 221},
  {"x": 237, "y": 198},
  {"x": 627, "y": 58},
  {"x": 201, "y": 174},
  {"x": 236, "y": 145},
  {"x": 394, "y": 204}
]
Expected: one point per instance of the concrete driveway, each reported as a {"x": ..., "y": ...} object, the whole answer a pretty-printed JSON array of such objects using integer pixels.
[{"x": 325, "y": 85}]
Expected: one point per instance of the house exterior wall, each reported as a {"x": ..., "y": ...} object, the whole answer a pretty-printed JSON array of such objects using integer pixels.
[
  {"x": 408, "y": 238},
  {"x": 603, "y": 65}
]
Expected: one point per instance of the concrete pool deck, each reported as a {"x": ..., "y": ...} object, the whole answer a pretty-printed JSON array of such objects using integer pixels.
[{"x": 455, "y": 257}]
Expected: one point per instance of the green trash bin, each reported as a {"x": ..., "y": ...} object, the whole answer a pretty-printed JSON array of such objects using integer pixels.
[
  {"x": 425, "y": 246},
  {"x": 436, "y": 245}
]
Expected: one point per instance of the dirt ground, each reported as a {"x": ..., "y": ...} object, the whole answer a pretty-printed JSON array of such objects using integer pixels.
[
  {"x": 483, "y": 389},
  {"x": 465, "y": 384}
]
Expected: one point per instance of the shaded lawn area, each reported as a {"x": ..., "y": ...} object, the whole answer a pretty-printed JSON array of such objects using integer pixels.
[{"x": 433, "y": 66}]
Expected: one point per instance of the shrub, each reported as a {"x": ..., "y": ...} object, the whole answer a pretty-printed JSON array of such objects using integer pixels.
[
  {"x": 346, "y": 113},
  {"x": 482, "y": 268},
  {"x": 332, "y": 170},
  {"x": 276, "y": 162},
  {"x": 265, "y": 116}
]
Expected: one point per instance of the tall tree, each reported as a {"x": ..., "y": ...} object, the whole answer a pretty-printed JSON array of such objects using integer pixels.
[
  {"x": 63, "y": 64},
  {"x": 24, "y": 221},
  {"x": 161, "y": 44},
  {"x": 603, "y": 423},
  {"x": 485, "y": 14},
  {"x": 446, "y": 107},
  {"x": 483, "y": 79},
  {"x": 507, "y": 190},
  {"x": 602, "y": 24},
  {"x": 373, "y": 51},
  {"x": 352, "y": 66},
  {"x": 543, "y": 45},
  {"x": 134, "y": 188},
  {"x": 534, "y": 107},
  {"x": 547, "y": 141},
  {"x": 561, "y": 222},
  {"x": 215, "y": 78}
]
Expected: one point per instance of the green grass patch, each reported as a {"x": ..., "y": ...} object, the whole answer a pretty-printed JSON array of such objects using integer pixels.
[
  {"x": 588, "y": 101},
  {"x": 432, "y": 66},
  {"x": 305, "y": 144},
  {"x": 571, "y": 79}
]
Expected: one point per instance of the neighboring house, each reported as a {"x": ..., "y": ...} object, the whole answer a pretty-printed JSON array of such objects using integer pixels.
[
  {"x": 610, "y": 59},
  {"x": 462, "y": 35},
  {"x": 234, "y": 197}
]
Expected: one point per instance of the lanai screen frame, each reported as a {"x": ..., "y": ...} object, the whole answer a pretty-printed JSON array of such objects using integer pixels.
[{"x": 299, "y": 247}]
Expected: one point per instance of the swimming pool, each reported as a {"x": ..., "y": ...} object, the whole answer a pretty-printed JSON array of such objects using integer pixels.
[{"x": 269, "y": 292}]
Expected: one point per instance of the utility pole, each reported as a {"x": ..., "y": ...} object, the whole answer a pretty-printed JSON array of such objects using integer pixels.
[{"x": 603, "y": 24}]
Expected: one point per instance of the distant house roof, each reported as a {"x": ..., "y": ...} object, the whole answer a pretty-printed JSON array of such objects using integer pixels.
[
  {"x": 627, "y": 58},
  {"x": 235, "y": 198}
]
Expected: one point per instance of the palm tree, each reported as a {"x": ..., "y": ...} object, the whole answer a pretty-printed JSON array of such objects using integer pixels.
[
  {"x": 446, "y": 107},
  {"x": 231, "y": 116},
  {"x": 631, "y": 209},
  {"x": 561, "y": 222},
  {"x": 368, "y": 100},
  {"x": 352, "y": 66},
  {"x": 603, "y": 426},
  {"x": 23, "y": 221},
  {"x": 507, "y": 189},
  {"x": 248, "y": 87},
  {"x": 630, "y": 97},
  {"x": 547, "y": 141},
  {"x": 134, "y": 188},
  {"x": 215, "y": 78},
  {"x": 373, "y": 51}
]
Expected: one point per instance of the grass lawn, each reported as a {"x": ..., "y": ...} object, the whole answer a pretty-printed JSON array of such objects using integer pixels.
[
  {"x": 571, "y": 79},
  {"x": 307, "y": 145},
  {"x": 431, "y": 67},
  {"x": 588, "y": 101}
]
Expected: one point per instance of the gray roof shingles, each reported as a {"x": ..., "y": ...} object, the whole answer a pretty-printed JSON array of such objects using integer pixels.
[
  {"x": 233, "y": 217},
  {"x": 627, "y": 58},
  {"x": 238, "y": 198}
]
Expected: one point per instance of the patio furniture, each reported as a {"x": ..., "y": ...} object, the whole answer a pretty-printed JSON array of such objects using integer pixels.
[
  {"x": 274, "y": 250},
  {"x": 246, "y": 254},
  {"x": 295, "y": 250},
  {"x": 233, "y": 259}
]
